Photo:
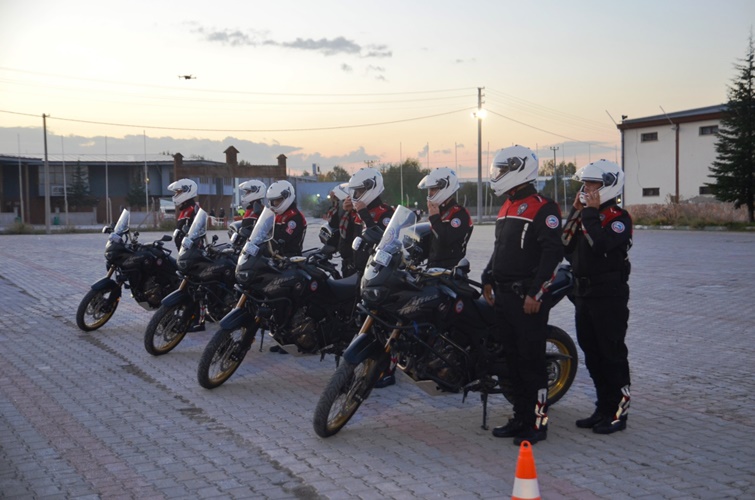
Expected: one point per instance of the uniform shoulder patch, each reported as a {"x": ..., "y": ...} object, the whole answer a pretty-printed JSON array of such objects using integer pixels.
[
  {"x": 618, "y": 226},
  {"x": 552, "y": 221}
]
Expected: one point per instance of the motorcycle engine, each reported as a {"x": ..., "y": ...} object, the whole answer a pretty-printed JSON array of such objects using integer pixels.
[
  {"x": 152, "y": 291},
  {"x": 304, "y": 332}
]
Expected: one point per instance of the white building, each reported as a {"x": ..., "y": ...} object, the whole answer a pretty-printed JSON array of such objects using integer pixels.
[{"x": 668, "y": 157}]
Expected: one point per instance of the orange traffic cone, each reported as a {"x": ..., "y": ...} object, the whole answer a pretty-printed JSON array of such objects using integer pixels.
[{"x": 525, "y": 482}]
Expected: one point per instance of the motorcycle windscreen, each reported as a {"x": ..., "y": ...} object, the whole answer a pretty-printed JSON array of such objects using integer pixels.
[
  {"x": 196, "y": 233},
  {"x": 401, "y": 223},
  {"x": 121, "y": 228},
  {"x": 263, "y": 231}
]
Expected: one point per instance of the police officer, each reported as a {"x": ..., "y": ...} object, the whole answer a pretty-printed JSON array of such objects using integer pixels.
[
  {"x": 290, "y": 224},
  {"x": 526, "y": 254},
  {"x": 451, "y": 223},
  {"x": 252, "y": 196},
  {"x": 332, "y": 235},
  {"x": 363, "y": 209},
  {"x": 597, "y": 237},
  {"x": 185, "y": 199}
]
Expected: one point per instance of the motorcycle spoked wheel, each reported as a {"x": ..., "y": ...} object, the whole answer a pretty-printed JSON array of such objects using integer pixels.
[
  {"x": 96, "y": 309},
  {"x": 347, "y": 389},
  {"x": 561, "y": 369},
  {"x": 168, "y": 327},
  {"x": 223, "y": 355}
]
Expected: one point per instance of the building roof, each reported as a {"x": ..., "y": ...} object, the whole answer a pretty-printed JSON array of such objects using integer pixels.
[{"x": 686, "y": 116}]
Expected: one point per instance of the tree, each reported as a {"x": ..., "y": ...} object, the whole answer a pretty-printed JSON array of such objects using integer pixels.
[
  {"x": 734, "y": 167},
  {"x": 565, "y": 171},
  {"x": 135, "y": 196},
  {"x": 411, "y": 172},
  {"x": 338, "y": 174},
  {"x": 78, "y": 193}
]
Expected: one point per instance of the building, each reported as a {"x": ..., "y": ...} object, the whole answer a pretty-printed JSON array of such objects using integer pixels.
[
  {"x": 668, "y": 157},
  {"x": 112, "y": 181}
]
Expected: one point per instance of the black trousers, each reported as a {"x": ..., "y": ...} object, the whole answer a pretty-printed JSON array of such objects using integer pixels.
[
  {"x": 523, "y": 337},
  {"x": 601, "y": 329}
]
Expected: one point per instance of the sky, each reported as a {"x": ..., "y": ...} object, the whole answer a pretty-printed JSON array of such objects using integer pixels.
[{"x": 344, "y": 83}]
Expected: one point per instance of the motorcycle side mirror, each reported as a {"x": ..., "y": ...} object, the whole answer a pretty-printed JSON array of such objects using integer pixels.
[
  {"x": 107, "y": 230},
  {"x": 462, "y": 268},
  {"x": 166, "y": 237},
  {"x": 214, "y": 238},
  {"x": 356, "y": 243}
]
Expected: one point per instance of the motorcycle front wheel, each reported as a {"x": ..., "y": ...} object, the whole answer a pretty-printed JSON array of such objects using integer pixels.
[
  {"x": 347, "y": 389},
  {"x": 223, "y": 355},
  {"x": 96, "y": 309},
  {"x": 168, "y": 327}
]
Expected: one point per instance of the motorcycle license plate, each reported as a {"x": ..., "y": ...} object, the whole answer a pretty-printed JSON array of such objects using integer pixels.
[{"x": 383, "y": 258}]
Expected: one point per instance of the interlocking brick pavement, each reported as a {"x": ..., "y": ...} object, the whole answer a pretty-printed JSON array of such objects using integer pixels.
[{"x": 92, "y": 415}]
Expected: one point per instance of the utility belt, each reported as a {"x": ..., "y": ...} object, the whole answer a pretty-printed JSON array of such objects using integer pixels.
[{"x": 518, "y": 288}]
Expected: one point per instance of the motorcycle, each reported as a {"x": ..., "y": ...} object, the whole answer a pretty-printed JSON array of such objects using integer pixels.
[
  {"x": 298, "y": 300},
  {"x": 438, "y": 327},
  {"x": 205, "y": 292},
  {"x": 149, "y": 271}
]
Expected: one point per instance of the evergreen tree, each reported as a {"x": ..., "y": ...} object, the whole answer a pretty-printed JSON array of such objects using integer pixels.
[
  {"x": 411, "y": 172},
  {"x": 78, "y": 192},
  {"x": 734, "y": 167}
]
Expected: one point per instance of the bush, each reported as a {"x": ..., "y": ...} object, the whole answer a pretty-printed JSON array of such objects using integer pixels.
[
  {"x": 20, "y": 228},
  {"x": 694, "y": 215}
]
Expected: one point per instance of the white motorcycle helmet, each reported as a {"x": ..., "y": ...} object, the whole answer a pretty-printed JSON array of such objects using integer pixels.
[
  {"x": 444, "y": 180},
  {"x": 251, "y": 191},
  {"x": 512, "y": 167},
  {"x": 366, "y": 185},
  {"x": 280, "y": 196},
  {"x": 606, "y": 172},
  {"x": 183, "y": 190}
]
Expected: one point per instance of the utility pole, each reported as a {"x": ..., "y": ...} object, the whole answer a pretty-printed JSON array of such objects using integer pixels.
[
  {"x": 47, "y": 177},
  {"x": 479, "y": 154},
  {"x": 555, "y": 175}
]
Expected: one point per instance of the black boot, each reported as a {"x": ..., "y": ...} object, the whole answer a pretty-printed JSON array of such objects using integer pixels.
[
  {"x": 532, "y": 435},
  {"x": 511, "y": 429},
  {"x": 608, "y": 426},
  {"x": 591, "y": 421}
]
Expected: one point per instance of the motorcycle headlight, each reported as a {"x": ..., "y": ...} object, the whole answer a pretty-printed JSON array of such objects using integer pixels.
[
  {"x": 242, "y": 276},
  {"x": 377, "y": 294}
]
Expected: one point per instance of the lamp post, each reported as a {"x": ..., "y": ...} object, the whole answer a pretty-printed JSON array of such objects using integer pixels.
[
  {"x": 555, "y": 175},
  {"x": 479, "y": 115}
]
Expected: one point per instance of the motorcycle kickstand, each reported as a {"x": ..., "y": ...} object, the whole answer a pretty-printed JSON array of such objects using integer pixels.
[
  {"x": 484, "y": 399},
  {"x": 262, "y": 338}
]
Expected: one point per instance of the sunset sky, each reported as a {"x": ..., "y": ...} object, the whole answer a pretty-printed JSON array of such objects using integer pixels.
[{"x": 341, "y": 83}]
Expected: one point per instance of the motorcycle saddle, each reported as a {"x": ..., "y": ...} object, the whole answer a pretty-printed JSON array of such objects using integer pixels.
[{"x": 345, "y": 288}]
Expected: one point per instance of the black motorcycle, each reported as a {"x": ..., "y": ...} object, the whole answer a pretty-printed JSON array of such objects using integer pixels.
[
  {"x": 148, "y": 271},
  {"x": 205, "y": 292},
  {"x": 297, "y": 300},
  {"x": 438, "y": 326}
]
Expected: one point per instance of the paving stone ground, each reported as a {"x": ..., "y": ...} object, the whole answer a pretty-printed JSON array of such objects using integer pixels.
[{"x": 93, "y": 415}]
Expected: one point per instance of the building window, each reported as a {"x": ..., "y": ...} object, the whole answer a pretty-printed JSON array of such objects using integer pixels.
[
  {"x": 56, "y": 179},
  {"x": 709, "y": 130},
  {"x": 706, "y": 190},
  {"x": 649, "y": 137},
  {"x": 651, "y": 191},
  {"x": 228, "y": 181}
]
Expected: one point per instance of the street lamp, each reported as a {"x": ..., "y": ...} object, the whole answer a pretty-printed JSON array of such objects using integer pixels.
[
  {"x": 479, "y": 115},
  {"x": 555, "y": 175}
]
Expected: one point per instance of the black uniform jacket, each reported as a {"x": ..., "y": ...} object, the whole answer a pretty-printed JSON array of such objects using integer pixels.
[
  {"x": 452, "y": 228},
  {"x": 290, "y": 227},
  {"x": 528, "y": 246},
  {"x": 597, "y": 243}
]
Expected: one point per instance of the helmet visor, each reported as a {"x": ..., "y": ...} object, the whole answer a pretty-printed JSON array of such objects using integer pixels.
[{"x": 500, "y": 168}]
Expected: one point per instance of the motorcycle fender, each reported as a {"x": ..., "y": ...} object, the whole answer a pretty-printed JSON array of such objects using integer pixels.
[
  {"x": 235, "y": 319},
  {"x": 174, "y": 298},
  {"x": 107, "y": 283},
  {"x": 363, "y": 347}
]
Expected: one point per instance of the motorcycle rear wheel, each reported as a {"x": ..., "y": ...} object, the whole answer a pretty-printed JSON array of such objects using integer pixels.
[
  {"x": 347, "y": 389},
  {"x": 223, "y": 355},
  {"x": 168, "y": 327},
  {"x": 96, "y": 309},
  {"x": 561, "y": 360}
]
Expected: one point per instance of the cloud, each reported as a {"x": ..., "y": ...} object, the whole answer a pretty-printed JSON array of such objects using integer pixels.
[
  {"x": 325, "y": 46},
  {"x": 345, "y": 67},
  {"x": 463, "y": 61}
]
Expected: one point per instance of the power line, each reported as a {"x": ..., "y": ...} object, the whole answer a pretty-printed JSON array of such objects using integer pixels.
[{"x": 245, "y": 130}]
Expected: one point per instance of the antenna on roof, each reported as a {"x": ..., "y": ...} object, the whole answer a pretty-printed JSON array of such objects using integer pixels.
[
  {"x": 667, "y": 117},
  {"x": 611, "y": 117}
]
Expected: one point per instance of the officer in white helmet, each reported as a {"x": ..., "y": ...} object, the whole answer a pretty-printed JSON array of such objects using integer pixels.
[
  {"x": 290, "y": 224},
  {"x": 252, "y": 197},
  {"x": 185, "y": 198},
  {"x": 597, "y": 237},
  {"x": 450, "y": 221},
  {"x": 525, "y": 258}
]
